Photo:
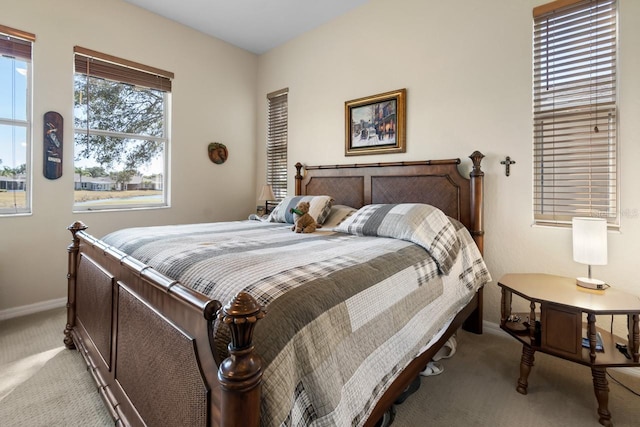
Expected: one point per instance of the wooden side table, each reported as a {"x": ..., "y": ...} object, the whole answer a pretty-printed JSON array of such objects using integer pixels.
[{"x": 555, "y": 324}]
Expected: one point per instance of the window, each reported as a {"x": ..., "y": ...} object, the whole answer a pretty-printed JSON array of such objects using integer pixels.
[
  {"x": 121, "y": 133},
  {"x": 15, "y": 121},
  {"x": 277, "y": 142},
  {"x": 575, "y": 113}
]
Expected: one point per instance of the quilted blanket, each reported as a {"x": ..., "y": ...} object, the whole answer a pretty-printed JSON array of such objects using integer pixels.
[{"x": 345, "y": 313}]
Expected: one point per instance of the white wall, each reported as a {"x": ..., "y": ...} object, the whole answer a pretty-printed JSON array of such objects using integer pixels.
[
  {"x": 466, "y": 65},
  {"x": 213, "y": 100}
]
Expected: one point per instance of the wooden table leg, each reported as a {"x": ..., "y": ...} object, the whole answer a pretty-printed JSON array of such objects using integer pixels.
[
  {"x": 634, "y": 337},
  {"x": 601, "y": 388},
  {"x": 505, "y": 307},
  {"x": 525, "y": 368}
]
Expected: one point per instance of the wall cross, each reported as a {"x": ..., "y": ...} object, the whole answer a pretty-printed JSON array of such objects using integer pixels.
[{"x": 507, "y": 162}]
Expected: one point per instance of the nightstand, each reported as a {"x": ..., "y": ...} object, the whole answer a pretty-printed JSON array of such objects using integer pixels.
[
  {"x": 560, "y": 315},
  {"x": 269, "y": 206}
]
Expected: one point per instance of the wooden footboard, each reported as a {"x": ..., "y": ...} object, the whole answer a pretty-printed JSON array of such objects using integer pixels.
[{"x": 148, "y": 340}]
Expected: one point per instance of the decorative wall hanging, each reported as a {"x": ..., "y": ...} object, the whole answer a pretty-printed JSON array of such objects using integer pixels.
[
  {"x": 218, "y": 153},
  {"x": 52, "y": 145},
  {"x": 376, "y": 124},
  {"x": 507, "y": 162}
]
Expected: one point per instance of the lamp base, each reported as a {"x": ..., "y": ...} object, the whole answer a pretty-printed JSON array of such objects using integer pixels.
[{"x": 587, "y": 282}]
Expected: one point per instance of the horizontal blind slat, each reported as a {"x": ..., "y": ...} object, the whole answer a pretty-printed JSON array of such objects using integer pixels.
[
  {"x": 15, "y": 48},
  {"x": 120, "y": 73}
]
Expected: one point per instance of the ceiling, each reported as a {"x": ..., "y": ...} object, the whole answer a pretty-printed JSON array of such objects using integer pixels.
[{"x": 254, "y": 25}]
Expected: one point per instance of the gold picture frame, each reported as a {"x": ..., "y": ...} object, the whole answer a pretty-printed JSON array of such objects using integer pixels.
[{"x": 376, "y": 124}]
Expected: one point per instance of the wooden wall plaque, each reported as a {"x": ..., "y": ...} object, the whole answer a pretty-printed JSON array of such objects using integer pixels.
[{"x": 52, "y": 145}]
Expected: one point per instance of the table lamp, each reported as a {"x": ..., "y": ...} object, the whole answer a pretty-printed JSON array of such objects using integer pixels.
[
  {"x": 590, "y": 247},
  {"x": 266, "y": 194}
]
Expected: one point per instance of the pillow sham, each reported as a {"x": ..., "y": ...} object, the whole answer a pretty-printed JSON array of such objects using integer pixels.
[
  {"x": 338, "y": 214},
  {"x": 421, "y": 224},
  {"x": 319, "y": 209}
]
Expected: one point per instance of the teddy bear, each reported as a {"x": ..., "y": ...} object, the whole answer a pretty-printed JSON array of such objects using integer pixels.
[{"x": 302, "y": 221}]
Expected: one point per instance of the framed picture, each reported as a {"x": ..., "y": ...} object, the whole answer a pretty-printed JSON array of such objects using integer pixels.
[{"x": 376, "y": 124}]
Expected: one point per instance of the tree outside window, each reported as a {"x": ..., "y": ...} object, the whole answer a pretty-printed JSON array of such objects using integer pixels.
[{"x": 121, "y": 136}]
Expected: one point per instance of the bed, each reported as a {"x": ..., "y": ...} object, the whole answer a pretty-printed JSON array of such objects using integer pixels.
[{"x": 163, "y": 353}]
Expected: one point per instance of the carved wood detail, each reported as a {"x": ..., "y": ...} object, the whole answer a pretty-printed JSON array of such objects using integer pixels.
[
  {"x": 240, "y": 374},
  {"x": 72, "y": 250}
]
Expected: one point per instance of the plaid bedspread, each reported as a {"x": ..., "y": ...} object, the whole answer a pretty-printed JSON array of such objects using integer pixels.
[{"x": 345, "y": 313}]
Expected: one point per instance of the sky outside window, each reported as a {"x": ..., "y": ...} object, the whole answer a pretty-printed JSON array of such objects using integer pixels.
[{"x": 13, "y": 110}]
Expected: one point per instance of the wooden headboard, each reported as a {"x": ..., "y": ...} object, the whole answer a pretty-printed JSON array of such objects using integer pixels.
[{"x": 434, "y": 182}]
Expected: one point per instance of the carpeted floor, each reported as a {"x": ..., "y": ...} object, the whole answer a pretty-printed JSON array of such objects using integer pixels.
[{"x": 43, "y": 384}]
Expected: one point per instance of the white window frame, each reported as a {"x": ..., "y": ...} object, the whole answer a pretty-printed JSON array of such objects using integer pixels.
[
  {"x": 12, "y": 34},
  {"x": 165, "y": 140}
]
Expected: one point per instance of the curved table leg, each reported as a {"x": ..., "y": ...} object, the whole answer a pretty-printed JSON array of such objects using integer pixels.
[
  {"x": 526, "y": 362},
  {"x": 601, "y": 388}
]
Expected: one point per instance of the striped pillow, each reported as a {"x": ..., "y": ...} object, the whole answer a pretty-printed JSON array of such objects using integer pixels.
[
  {"x": 339, "y": 213},
  {"x": 319, "y": 209},
  {"x": 421, "y": 224}
]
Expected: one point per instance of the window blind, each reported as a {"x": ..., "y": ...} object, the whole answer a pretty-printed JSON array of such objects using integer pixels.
[
  {"x": 121, "y": 70},
  {"x": 277, "y": 135},
  {"x": 15, "y": 43},
  {"x": 574, "y": 111}
]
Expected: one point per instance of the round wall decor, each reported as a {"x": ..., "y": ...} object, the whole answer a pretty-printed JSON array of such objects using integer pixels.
[{"x": 217, "y": 153}]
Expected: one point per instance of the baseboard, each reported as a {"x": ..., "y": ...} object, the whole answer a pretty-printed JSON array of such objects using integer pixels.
[{"x": 32, "y": 308}]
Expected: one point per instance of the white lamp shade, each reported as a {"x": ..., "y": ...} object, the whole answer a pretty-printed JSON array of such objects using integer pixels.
[
  {"x": 590, "y": 240},
  {"x": 266, "y": 193}
]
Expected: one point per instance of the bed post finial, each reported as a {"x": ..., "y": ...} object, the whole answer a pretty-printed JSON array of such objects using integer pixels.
[
  {"x": 299, "y": 179},
  {"x": 72, "y": 250},
  {"x": 240, "y": 374},
  {"x": 476, "y": 157}
]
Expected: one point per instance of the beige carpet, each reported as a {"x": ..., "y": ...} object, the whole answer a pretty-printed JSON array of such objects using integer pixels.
[
  {"x": 46, "y": 385},
  {"x": 478, "y": 388},
  {"x": 51, "y": 386}
]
